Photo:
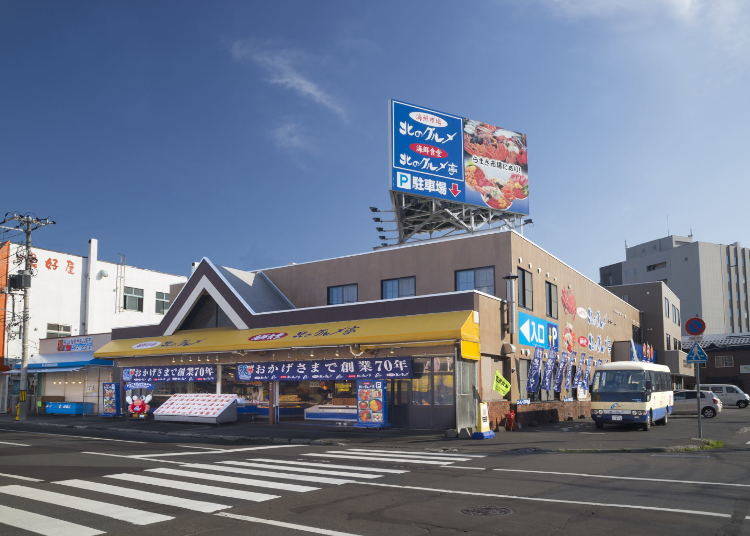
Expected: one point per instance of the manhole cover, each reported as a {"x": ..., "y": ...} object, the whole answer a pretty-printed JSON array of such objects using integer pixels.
[{"x": 487, "y": 511}]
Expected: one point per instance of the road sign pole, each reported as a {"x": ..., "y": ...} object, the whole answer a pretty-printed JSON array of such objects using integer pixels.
[{"x": 698, "y": 398}]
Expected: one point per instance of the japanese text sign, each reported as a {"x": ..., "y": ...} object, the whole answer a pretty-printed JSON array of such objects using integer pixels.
[
  {"x": 174, "y": 373},
  {"x": 338, "y": 369},
  {"x": 500, "y": 384},
  {"x": 371, "y": 403}
]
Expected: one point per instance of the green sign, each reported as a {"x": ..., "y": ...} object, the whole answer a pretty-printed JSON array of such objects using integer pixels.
[{"x": 501, "y": 385}]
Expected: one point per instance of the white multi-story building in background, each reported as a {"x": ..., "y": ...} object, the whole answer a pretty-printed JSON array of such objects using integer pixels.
[
  {"x": 710, "y": 279},
  {"x": 75, "y": 295}
]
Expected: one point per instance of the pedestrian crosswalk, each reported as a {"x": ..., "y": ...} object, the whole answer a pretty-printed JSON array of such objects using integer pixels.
[{"x": 158, "y": 494}]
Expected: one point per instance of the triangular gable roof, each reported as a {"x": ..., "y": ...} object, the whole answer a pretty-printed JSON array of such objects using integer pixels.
[{"x": 209, "y": 279}]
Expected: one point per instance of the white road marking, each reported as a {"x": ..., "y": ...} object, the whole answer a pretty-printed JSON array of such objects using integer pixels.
[
  {"x": 158, "y": 498},
  {"x": 298, "y": 469},
  {"x": 19, "y": 477},
  {"x": 39, "y": 524},
  {"x": 232, "y": 479},
  {"x": 215, "y": 449},
  {"x": 14, "y": 444},
  {"x": 269, "y": 474},
  {"x": 399, "y": 456},
  {"x": 196, "y": 488},
  {"x": 130, "y": 457},
  {"x": 294, "y": 526},
  {"x": 74, "y": 436},
  {"x": 440, "y": 454},
  {"x": 122, "y": 513},
  {"x": 560, "y": 501},
  {"x": 671, "y": 481},
  {"x": 183, "y": 453},
  {"x": 462, "y": 467},
  {"x": 373, "y": 458},
  {"x": 331, "y": 466}
]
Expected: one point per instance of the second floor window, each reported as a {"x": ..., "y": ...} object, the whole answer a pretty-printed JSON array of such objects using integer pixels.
[
  {"x": 342, "y": 294},
  {"x": 724, "y": 361},
  {"x": 525, "y": 289},
  {"x": 551, "y": 291},
  {"x": 398, "y": 288},
  {"x": 162, "y": 302},
  {"x": 55, "y": 331},
  {"x": 482, "y": 279},
  {"x": 666, "y": 307},
  {"x": 133, "y": 299}
]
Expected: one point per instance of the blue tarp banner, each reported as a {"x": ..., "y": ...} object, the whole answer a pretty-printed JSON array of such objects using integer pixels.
[
  {"x": 562, "y": 362},
  {"x": 535, "y": 366},
  {"x": 549, "y": 368},
  {"x": 569, "y": 371}
]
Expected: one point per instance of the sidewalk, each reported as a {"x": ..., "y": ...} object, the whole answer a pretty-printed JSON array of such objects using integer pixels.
[{"x": 733, "y": 428}]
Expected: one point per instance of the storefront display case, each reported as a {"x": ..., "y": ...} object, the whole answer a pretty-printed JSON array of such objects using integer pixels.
[{"x": 198, "y": 407}]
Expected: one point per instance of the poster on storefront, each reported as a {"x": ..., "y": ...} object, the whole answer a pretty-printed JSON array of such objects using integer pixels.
[
  {"x": 75, "y": 344},
  {"x": 532, "y": 383},
  {"x": 372, "y": 406},
  {"x": 110, "y": 399},
  {"x": 333, "y": 369},
  {"x": 174, "y": 373},
  {"x": 500, "y": 384}
]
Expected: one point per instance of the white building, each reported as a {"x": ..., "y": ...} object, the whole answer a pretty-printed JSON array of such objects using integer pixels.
[
  {"x": 75, "y": 295},
  {"x": 710, "y": 279}
]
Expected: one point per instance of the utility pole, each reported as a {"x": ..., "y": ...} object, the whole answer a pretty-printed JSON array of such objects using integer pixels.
[{"x": 26, "y": 223}]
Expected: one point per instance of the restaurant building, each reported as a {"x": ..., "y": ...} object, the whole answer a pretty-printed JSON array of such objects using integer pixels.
[{"x": 435, "y": 321}]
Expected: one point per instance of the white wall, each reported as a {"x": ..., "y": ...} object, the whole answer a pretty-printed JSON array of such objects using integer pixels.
[{"x": 59, "y": 297}]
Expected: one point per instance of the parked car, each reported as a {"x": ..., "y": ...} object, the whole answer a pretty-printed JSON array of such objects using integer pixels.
[
  {"x": 731, "y": 395},
  {"x": 684, "y": 404}
]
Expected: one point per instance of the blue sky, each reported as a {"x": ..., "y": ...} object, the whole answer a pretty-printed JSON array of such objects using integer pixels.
[{"x": 255, "y": 133}]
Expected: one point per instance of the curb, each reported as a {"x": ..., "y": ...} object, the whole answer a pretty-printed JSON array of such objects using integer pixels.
[{"x": 192, "y": 435}]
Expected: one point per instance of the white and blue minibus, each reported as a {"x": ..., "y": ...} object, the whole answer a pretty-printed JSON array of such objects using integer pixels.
[{"x": 631, "y": 392}]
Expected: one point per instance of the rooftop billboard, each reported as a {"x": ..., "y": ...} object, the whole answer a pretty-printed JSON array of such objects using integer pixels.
[{"x": 434, "y": 154}]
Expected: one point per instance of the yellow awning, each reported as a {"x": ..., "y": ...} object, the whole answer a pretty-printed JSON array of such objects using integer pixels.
[{"x": 458, "y": 326}]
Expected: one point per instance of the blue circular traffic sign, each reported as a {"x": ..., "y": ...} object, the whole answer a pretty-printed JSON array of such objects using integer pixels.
[{"x": 695, "y": 326}]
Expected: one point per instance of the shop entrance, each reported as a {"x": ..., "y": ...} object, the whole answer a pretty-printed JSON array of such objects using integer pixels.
[{"x": 428, "y": 400}]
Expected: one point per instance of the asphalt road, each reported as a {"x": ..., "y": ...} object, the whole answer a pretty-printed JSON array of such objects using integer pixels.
[{"x": 67, "y": 485}]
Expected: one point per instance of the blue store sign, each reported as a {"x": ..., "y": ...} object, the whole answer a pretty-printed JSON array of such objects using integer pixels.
[
  {"x": 537, "y": 332},
  {"x": 328, "y": 369}
]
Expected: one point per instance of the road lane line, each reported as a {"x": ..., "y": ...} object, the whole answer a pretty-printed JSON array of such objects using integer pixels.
[
  {"x": 294, "y": 526},
  {"x": 122, "y": 513},
  {"x": 399, "y": 456},
  {"x": 183, "y": 453},
  {"x": 131, "y": 457},
  {"x": 14, "y": 444},
  {"x": 270, "y": 474},
  {"x": 74, "y": 436},
  {"x": 298, "y": 469},
  {"x": 195, "y": 488},
  {"x": 44, "y": 525},
  {"x": 462, "y": 467},
  {"x": 440, "y": 454},
  {"x": 158, "y": 498},
  {"x": 201, "y": 448},
  {"x": 233, "y": 479},
  {"x": 19, "y": 477},
  {"x": 377, "y": 459},
  {"x": 331, "y": 466},
  {"x": 671, "y": 481},
  {"x": 559, "y": 501}
]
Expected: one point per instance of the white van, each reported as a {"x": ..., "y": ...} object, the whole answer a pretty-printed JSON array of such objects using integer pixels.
[{"x": 730, "y": 395}]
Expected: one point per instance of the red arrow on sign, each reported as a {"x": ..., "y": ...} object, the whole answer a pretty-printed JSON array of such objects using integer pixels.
[{"x": 455, "y": 190}]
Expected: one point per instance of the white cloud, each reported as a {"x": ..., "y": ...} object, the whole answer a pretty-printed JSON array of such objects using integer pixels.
[
  {"x": 290, "y": 135},
  {"x": 281, "y": 65}
]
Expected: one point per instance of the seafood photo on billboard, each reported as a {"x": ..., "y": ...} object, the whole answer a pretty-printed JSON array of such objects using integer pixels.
[{"x": 496, "y": 167}]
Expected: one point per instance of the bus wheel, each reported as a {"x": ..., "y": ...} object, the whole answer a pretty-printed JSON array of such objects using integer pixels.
[{"x": 663, "y": 421}]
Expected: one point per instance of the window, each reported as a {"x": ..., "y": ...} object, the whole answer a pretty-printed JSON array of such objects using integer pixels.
[
  {"x": 732, "y": 390},
  {"x": 666, "y": 307},
  {"x": 675, "y": 317},
  {"x": 342, "y": 294},
  {"x": 669, "y": 342},
  {"x": 133, "y": 299},
  {"x": 550, "y": 291},
  {"x": 525, "y": 289},
  {"x": 657, "y": 266},
  {"x": 55, "y": 331},
  {"x": 724, "y": 361},
  {"x": 716, "y": 389},
  {"x": 677, "y": 344},
  {"x": 162, "y": 302},
  {"x": 398, "y": 288},
  {"x": 482, "y": 279}
]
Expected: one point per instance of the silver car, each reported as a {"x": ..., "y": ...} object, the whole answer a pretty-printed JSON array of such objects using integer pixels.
[{"x": 684, "y": 404}]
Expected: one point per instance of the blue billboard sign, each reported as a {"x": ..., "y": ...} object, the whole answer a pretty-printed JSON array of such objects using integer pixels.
[
  {"x": 173, "y": 373},
  {"x": 328, "y": 369},
  {"x": 439, "y": 155},
  {"x": 537, "y": 332}
]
